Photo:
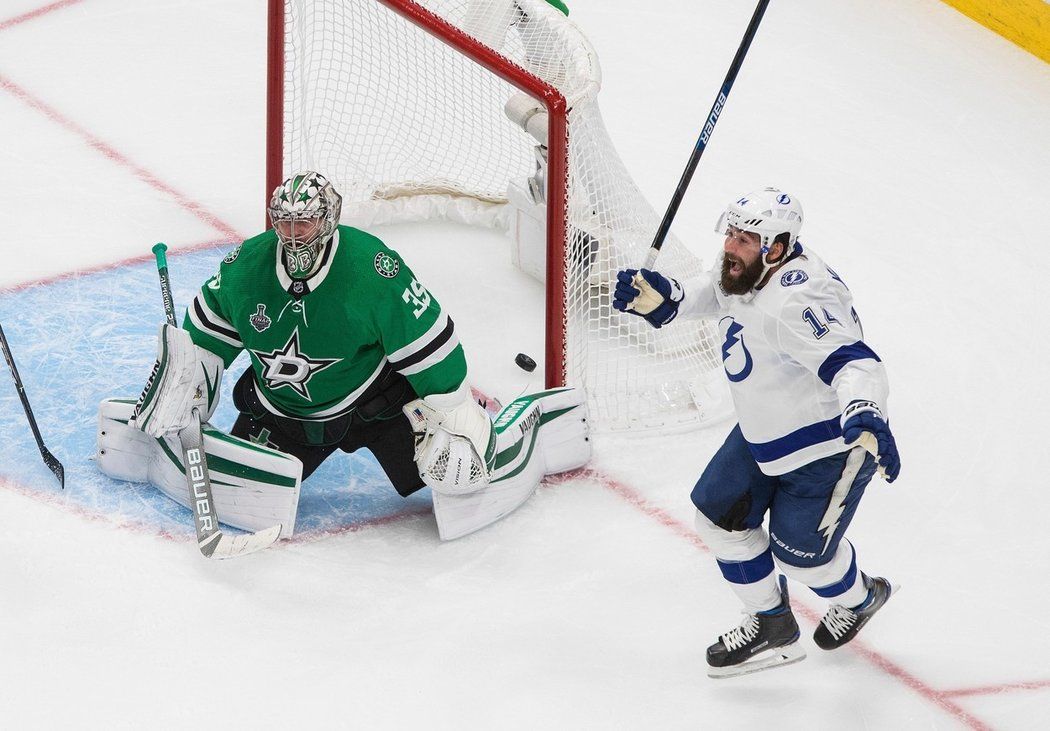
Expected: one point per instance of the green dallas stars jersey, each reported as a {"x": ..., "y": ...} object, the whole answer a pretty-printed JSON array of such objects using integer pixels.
[{"x": 317, "y": 344}]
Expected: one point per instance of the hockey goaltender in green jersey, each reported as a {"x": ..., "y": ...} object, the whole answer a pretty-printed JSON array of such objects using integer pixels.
[{"x": 348, "y": 350}]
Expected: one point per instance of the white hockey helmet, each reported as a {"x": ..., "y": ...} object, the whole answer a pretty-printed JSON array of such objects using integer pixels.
[{"x": 768, "y": 212}]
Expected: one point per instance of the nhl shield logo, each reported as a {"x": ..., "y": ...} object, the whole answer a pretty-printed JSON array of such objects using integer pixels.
[{"x": 259, "y": 320}]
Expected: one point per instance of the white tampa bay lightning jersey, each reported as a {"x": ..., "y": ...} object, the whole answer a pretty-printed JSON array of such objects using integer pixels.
[{"x": 795, "y": 356}]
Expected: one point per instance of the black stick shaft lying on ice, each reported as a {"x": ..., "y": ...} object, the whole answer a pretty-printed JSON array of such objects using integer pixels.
[
  {"x": 49, "y": 459},
  {"x": 705, "y": 135}
]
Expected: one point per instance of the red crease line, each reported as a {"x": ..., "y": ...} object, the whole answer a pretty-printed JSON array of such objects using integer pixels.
[
  {"x": 19, "y": 19},
  {"x": 111, "y": 154},
  {"x": 56, "y": 499},
  {"x": 130, "y": 261}
]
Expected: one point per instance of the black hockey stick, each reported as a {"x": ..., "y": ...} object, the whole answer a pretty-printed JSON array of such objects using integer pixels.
[
  {"x": 49, "y": 459},
  {"x": 705, "y": 135},
  {"x": 211, "y": 541}
]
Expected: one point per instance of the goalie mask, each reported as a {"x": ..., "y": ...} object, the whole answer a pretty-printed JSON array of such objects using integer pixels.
[{"x": 304, "y": 211}]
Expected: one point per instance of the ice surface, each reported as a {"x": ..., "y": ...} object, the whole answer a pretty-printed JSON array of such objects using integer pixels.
[{"x": 917, "y": 141}]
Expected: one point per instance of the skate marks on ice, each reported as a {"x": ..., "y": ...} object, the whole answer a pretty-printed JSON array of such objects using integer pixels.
[{"x": 90, "y": 336}]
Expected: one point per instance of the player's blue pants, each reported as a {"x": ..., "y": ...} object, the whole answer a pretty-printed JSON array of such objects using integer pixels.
[{"x": 734, "y": 493}]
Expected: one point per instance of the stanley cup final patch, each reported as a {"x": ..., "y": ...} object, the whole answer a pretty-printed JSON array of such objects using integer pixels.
[
  {"x": 386, "y": 265},
  {"x": 259, "y": 320}
]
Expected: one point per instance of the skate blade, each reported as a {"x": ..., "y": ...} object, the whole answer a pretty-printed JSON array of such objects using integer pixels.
[{"x": 778, "y": 656}]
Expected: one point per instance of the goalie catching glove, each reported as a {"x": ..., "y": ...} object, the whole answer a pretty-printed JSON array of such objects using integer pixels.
[
  {"x": 485, "y": 471},
  {"x": 185, "y": 377},
  {"x": 455, "y": 443}
]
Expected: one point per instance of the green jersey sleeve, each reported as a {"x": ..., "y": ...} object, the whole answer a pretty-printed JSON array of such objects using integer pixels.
[
  {"x": 418, "y": 337},
  {"x": 208, "y": 324}
]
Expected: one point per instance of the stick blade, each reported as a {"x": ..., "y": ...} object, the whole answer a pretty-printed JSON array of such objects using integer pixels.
[
  {"x": 55, "y": 466},
  {"x": 220, "y": 545}
]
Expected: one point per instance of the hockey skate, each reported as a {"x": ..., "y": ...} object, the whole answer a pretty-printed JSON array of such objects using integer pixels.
[
  {"x": 763, "y": 641},
  {"x": 840, "y": 624}
]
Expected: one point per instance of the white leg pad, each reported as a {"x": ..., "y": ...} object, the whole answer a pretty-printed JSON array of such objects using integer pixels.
[
  {"x": 742, "y": 545},
  {"x": 736, "y": 545},
  {"x": 253, "y": 487},
  {"x": 536, "y": 435}
]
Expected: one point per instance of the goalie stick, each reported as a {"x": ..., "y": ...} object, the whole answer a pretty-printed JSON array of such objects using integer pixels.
[
  {"x": 211, "y": 541},
  {"x": 705, "y": 135},
  {"x": 49, "y": 459}
]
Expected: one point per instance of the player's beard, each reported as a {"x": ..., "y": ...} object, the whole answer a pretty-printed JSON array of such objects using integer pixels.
[{"x": 743, "y": 282}]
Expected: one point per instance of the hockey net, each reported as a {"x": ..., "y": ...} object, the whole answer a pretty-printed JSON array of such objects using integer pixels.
[{"x": 485, "y": 111}]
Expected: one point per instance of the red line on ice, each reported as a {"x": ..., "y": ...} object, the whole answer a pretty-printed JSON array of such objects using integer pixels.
[
  {"x": 937, "y": 697},
  {"x": 18, "y": 19},
  {"x": 130, "y": 261},
  {"x": 997, "y": 689},
  {"x": 113, "y": 155},
  {"x": 55, "y": 499}
]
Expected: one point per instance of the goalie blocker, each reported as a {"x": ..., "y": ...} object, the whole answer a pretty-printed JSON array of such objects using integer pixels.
[{"x": 255, "y": 487}]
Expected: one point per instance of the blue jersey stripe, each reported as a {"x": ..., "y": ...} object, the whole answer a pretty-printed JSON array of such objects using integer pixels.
[
  {"x": 847, "y": 353},
  {"x": 807, "y": 436},
  {"x": 750, "y": 571}
]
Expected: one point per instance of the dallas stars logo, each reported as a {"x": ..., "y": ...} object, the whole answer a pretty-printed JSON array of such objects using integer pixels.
[
  {"x": 289, "y": 367},
  {"x": 386, "y": 265}
]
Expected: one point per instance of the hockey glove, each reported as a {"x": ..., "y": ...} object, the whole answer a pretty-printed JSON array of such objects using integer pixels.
[
  {"x": 651, "y": 295},
  {"x": 185, "y": 377},
  {"x": 455, "y": 442},
  {"x": 864, "y": 417}
]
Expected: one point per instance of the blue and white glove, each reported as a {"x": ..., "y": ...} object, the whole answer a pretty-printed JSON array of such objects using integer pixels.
[
  {"x": 862, "y": 422},
  {"x": 651, "y": 295}
]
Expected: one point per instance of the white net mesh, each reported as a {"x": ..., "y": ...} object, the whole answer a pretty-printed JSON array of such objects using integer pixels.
[{"x": 409, "y": 128}]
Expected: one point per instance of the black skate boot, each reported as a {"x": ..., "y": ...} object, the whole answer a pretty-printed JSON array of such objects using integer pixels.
[
  {"x": 841, "y": 624},
  {"x": 764, "y": 640}
]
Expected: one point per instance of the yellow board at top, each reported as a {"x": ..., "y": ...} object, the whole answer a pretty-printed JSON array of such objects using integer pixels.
[{"x": 1025, "y": 22}]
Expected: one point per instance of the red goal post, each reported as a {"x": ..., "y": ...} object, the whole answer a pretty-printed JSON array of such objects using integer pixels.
[
  {"x": 334, "y": 66},
  {"x": 558, "y": 149}
]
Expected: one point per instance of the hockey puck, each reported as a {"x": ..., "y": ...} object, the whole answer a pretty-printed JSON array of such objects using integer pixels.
[{"x": 525, "y": 362}]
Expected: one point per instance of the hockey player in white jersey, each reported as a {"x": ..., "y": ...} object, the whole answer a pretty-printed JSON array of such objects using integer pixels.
[{"x": 808, "y": 393}]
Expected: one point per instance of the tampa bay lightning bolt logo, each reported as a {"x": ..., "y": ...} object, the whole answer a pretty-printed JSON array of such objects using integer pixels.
[
  {"x": 795, "y": 276},
  {"x": 783, "y": 199},
  {"x": 732, "y": 338}
]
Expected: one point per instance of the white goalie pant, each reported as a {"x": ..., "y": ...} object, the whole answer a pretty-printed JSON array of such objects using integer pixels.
[
  {"x": 253, "y": 487},
  {"x": 536, "y": 435}
]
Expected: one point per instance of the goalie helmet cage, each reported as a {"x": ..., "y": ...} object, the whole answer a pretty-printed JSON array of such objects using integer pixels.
[{"x": 485, "y": 112}]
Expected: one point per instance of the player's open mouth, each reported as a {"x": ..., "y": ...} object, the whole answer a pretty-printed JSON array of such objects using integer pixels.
[{"x": 735, "y": 267}]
